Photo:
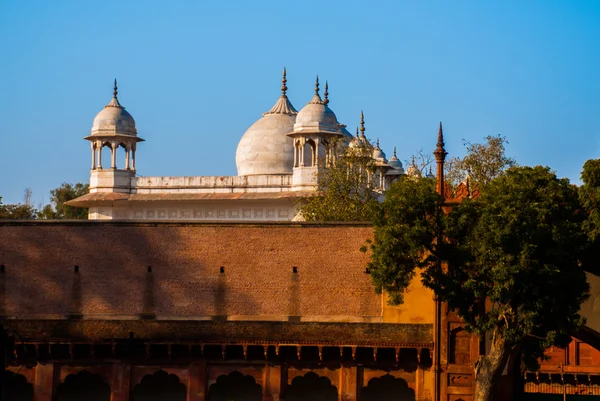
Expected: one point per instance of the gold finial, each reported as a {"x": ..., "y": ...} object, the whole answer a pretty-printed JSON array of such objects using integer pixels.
[
  {"x": 357, "y": 132},
  {"x": 115, "y": 90},
  {"x": 317, "y": 86},
  {"x": 362, "y": 124},
  {"x": 284, "y": 83},
  {"x": 326, "y": 94}
]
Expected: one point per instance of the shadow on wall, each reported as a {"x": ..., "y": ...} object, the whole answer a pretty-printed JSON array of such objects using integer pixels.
[
  {"x": 311, "y": 387},
  {"x": 17, "y": 387},
  {"x": 387, "y": 388},
  {"x": 159, "y": 386},
  {"x": 235, "y": 386},
  {"x": 83, "y": 386}
]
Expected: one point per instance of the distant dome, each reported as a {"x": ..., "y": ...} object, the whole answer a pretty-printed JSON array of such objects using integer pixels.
[
  {"x": 113, "y": 119},
  {"x": 265, "y": 147},
  {"x": 394, "y": 162},
  {"x": 413, "y": 170},
  {"x": 378, "y": 154}
]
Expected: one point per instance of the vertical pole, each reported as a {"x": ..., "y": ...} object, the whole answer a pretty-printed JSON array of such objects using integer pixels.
[
  {"x": 133, "y": 158},
  {"x": 440, "y": 155}
]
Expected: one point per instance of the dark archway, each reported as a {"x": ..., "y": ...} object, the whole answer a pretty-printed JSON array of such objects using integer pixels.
[
  {"x": 160, "y": 386},
  {"x": 387, "y": 388},
  {"x": 83, "y": 386},
  {"x": 17, "y": 387},
  {"x": 235, "y": 387},
  {"x": 311, "y": 387}
]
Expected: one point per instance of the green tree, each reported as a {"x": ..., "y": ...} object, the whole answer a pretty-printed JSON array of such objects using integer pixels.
[
  {"x": 519, "y": 250},
  {"x": 65, "y": 193},
  {"x": 346, "y": 189},
  {"x": 482, "y": 163},
  {"x": 18, "y": 211}
]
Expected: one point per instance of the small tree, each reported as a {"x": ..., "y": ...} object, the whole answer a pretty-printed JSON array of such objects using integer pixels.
[
  {"x": 65, "y": 193},
  {"x": 346, "y": 189},
  {"x": 521, "y": 247},
  {"x": 483, "y": 162}
]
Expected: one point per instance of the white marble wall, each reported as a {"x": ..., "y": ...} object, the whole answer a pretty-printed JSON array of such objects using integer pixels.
[{"x": 226, "y": 210}]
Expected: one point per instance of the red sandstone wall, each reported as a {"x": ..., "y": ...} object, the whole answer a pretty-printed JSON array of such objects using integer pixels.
[{"x": 185, "y": 281}]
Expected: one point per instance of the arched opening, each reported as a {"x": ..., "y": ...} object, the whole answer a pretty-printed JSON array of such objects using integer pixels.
[
  {"x": 235, "y": 387},
  {"x": 105, "y": 156},
  {"x": 460, "y": 346},
  {"x": 387, "y": 388},
  {"x": 122, "y": 157},
  {"x": 297, "y": 153},
  {"x": 309, "y": 153},
  {"x": 83, "y": 386},
  {"x": 311, "y": 387},
  {"x": 160, "y": 386},
  {"x": 17, "y": 387}
]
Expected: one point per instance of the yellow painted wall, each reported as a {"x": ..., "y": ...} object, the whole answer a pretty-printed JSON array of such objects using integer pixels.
[{"x": 418, "y": 306}]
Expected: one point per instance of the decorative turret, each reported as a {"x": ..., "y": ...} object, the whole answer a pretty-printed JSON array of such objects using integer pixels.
[
  {"x": 314, "y": 135},
  {"x": 113, "y": 128}
]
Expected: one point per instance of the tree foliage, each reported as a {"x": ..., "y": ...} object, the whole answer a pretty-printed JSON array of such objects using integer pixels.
[
  {"x": 16, "y": 211},
  {"x": 58, "y": 209},
  {"x": 346, "y": 189},
  {"x": 65, "y": 193},
  {"x": 482, "y": 163},
  {"x": 510, "y": 263}
]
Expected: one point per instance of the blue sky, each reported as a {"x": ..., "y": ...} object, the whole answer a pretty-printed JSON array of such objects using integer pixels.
[{"x": 196, "y": 74}]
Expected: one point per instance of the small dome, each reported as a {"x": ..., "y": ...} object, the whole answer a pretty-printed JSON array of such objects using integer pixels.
[
  {"x": 413, "y": 170},
  {"x": 378, "y": 154},
  {"x": 430, "y": 174},
  {"x": 113, "y": 119},
  {"x": 395, "y": 162},
  {"x": 316, "y": 116},
  {"x": 265, "y": 147}
]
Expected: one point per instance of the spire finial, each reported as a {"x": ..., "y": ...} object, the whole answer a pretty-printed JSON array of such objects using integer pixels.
[
  {"x": 377, "y": 142},
  {"x": 362, "y": 124},
  {"x": 394, "y": 151},
  {"x": 284, "y": 83},
  {"x": 440, "y": 152},
  {"x": 326, "y": 94},
  {"x": 413, "y": 160},
  {"x": 115, "y": 90},
  {"x": 357, "y": 132},
  {"x": 317, "y": 86}
]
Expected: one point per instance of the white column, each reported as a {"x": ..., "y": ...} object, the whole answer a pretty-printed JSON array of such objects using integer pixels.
[
  {"x": 302, "y": 143},
  {"x": 316, "y": 158},
  {"x": 127, "y": 157},
  {"x": 99, "y": 149},
  {"x": 113, "y": 155},
  {"x": 93, "y": 155}
]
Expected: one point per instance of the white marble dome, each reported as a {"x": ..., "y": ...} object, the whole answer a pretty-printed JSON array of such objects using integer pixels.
[
  {"x": 113, "y": 119},
  {"x": 265, "y": 147},
  {"x": 316, "y": 117}
]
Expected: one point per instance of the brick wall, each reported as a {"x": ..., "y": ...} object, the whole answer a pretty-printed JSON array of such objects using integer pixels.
[{"x": 186, "y": 283}]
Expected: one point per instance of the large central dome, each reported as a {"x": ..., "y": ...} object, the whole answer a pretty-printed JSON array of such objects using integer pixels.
[{"x": 265, "y": 148}]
